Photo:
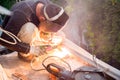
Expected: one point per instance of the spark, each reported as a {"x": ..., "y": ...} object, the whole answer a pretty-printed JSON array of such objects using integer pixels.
[{"x": 62, "y": 52}]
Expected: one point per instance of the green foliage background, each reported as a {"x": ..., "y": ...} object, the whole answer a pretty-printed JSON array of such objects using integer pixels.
[
  {"x": 103, "y": 33},
  {"x": 7, "y": 3}
]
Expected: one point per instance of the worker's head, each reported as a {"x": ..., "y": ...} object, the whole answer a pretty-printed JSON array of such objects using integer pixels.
[{"x": 53, "y": 18}]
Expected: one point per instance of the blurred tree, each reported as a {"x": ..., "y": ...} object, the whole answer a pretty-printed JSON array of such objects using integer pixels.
[
  {"x": 105, "y": 25},
  {"x": 7, "y": 3}
]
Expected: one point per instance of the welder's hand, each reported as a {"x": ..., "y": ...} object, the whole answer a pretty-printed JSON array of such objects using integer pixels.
[{"x": 37, "y": 50}]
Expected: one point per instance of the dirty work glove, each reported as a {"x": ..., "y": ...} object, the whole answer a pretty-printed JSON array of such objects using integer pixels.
[{"x": 37, "y": 50}]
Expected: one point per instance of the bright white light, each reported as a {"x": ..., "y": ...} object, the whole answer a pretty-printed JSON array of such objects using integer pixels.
[
  {"x": 56, "y": 40},
  {"x": 61, "y": 52}
]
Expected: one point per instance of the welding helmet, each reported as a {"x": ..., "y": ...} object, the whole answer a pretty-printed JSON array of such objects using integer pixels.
[{"x": 55, "y": 16}]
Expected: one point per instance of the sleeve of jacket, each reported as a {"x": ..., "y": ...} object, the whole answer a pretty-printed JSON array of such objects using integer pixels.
[
  {"x": 19, "y": 47},
  {"x": 13, "y": 25}
]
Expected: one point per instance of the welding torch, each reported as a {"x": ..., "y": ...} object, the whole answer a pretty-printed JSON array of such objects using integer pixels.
[{"x": 50, "y": 46}]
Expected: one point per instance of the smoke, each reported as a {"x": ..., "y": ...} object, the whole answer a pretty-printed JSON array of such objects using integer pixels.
[{"x": 76, "y": 25}]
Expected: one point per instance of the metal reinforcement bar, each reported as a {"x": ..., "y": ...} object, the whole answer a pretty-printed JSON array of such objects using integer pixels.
[{"x": 80, "y": 52}]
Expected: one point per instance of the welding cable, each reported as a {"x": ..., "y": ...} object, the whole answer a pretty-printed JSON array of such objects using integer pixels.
[
  {"x": 31, "y": 65},
  {"x": 15, "y": 38},
  {"x": 58, "y": 58}
]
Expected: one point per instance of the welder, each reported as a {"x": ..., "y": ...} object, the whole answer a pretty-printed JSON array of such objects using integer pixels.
[{"x": 32, "y": 21}]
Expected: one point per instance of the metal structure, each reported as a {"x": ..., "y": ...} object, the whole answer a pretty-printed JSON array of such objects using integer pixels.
[{"x": 111, "y": 71}]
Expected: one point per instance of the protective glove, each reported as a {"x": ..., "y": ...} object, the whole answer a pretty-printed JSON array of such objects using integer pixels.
[{"x": 37, "y": 50}]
